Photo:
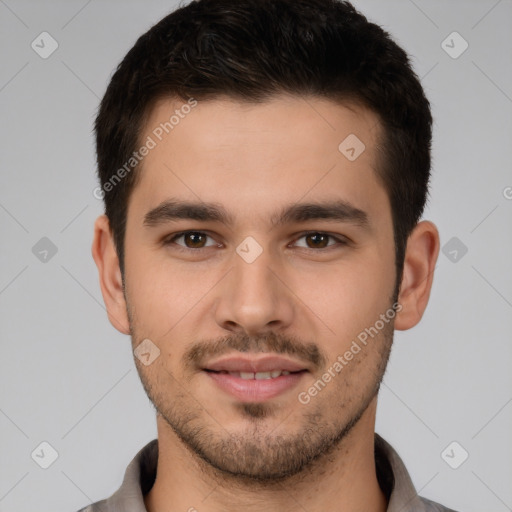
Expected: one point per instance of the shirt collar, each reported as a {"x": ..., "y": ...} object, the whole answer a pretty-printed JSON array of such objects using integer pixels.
[{"x": 141, "y": 473}]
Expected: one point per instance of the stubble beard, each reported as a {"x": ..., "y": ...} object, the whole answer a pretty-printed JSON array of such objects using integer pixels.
[{"x": 258, "y": 455}]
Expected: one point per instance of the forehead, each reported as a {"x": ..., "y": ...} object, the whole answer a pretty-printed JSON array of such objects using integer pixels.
[
  {"x": 252, "y": 155},
  {"x": 283, "y": 119}
]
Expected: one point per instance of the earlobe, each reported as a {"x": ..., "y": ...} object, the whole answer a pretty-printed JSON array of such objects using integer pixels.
[
  {"x": 105, "y": 256},
  {"x": 418, "y": 274}
]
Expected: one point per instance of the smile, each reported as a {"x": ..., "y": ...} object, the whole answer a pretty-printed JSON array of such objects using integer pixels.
[{"x": 258, "y": 375}]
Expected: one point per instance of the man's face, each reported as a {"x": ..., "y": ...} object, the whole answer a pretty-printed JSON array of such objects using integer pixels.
[{"x": 300, "y": 287}]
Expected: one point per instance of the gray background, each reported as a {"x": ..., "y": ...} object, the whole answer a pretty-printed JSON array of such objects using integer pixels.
[{"x": 68, "y": 378}]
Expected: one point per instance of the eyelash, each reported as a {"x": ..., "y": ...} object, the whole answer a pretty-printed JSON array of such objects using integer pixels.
[{"x": 173, "y": 238}]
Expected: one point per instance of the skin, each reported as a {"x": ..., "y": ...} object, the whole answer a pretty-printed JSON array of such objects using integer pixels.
[{"x": 302, "y": 295}]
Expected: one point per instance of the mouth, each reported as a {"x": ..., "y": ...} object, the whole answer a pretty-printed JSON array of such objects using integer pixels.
[
  {"x": 256, "y": 375},
  {"x": 255, "y": 380}
]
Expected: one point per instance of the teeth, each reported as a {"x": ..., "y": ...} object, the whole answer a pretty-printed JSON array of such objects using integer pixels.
[{"x": 260, "y": 375}]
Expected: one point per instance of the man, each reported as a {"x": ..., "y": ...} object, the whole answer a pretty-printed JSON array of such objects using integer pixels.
[{"x": 264, "y": 166}]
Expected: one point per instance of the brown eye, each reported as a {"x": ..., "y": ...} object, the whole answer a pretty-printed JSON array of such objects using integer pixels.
[
  {"x": 317, "y": 240},
  {"x": 194, "y": 240},
  {"x": 191, "y": 240}
]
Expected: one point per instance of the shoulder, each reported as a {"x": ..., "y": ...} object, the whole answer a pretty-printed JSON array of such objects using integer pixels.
[
  {"x": 99, "y": 506},
  {"x": 431, "y": 506}
]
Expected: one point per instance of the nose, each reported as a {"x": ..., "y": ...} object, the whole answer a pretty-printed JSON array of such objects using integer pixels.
[{"x": 254, "y": 297}]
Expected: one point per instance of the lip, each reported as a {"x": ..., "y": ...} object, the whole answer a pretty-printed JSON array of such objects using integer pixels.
[
  {"x": 254, "y": 390},
  {"x": 261, "y": 364}
]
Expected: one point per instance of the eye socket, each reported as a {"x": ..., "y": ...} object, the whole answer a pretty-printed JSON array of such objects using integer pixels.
[
  {"x": 199, "y": 237},
  {"x": 185, "y": 235},
  {"x": 321, "y": 237}
]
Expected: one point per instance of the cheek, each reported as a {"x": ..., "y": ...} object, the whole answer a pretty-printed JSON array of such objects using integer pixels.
[
  {"x": 149, "y": 299},
  {"x": 165, "y": 298},
  {"x": 345, "y": 299}
]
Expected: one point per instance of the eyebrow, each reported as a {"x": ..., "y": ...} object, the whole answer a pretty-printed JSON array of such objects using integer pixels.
[
  {"x": 335, "y": 210},
  {"x": 175, "y": 209}
]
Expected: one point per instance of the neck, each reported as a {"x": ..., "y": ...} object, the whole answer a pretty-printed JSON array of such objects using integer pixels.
[{"x": 345, "y": 479}]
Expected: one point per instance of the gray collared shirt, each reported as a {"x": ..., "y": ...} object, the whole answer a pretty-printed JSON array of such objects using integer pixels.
[{"x": 391, "y": 473}]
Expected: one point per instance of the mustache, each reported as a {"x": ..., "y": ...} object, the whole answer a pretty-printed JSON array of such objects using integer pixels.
[{"x": 201, "y": 352}]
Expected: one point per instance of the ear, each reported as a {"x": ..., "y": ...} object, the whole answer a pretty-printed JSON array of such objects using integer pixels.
[
  {"x": 418, "y": 274},
  {"x": 105, "y": 256}
]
